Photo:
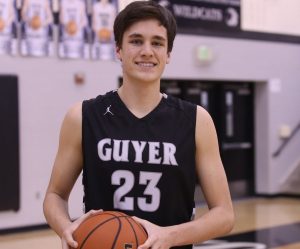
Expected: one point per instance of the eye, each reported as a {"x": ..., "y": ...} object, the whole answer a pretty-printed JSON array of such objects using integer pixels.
[
  {"x": 158, "y": 44},
  {"x": 136, "y": 41}
]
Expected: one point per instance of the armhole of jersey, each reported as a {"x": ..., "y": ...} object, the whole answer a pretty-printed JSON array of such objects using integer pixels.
[
  {"x": 193, "y": 117},
  {"x": 189, "y": 109},
  {"x": 87, "y": 105}
]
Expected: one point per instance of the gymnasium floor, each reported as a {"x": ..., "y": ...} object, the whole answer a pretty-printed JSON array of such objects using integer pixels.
[{"x": 260, "y": 223}]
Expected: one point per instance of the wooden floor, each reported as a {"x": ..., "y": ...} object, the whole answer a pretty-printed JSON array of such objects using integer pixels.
[{"x": 253, "y": 214}]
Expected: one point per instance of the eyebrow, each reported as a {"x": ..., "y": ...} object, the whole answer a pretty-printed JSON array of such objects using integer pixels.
[{"x": 156, "y": 37}]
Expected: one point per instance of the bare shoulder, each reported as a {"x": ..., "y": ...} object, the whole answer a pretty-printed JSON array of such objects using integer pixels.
[
  {"x": 74, "y": 113},
  {"x": 73, "y": 120},
  {"x": 203, "y": 118},
  {"x": 206, "y": 135}
]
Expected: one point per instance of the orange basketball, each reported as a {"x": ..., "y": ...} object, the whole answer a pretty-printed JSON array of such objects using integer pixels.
[
  {"x": 2, "y": 24},
  {"x": 35, "y": 22},
  {"x": 110, "y": 230},
  {"x": 71, "y": 27},
  {"x": 104, "y": 35}
]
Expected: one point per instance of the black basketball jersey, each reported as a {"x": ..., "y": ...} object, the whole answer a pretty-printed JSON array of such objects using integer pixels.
[{"x": 140, "y": 166}]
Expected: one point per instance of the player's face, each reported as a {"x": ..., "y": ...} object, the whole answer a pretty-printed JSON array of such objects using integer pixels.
[{"x": 144, "y": 52}]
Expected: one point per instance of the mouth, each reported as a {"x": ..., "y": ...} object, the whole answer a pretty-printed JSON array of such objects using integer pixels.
[{"x": 146, "y": 64}]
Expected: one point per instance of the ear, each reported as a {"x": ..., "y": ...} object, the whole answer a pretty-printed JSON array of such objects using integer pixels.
[
  {"x": 118, "y": 53},
  {"x": 168, "y": 57}
]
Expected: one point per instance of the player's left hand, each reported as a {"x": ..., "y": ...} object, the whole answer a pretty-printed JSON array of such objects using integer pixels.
[{"x": 158, "y": 237}]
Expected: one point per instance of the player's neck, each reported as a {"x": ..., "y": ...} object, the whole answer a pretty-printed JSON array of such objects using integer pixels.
[{"x": 140, "y": 100}]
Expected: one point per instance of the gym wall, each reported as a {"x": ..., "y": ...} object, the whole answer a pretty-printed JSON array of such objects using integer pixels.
[{"x": 47, "y": 90}]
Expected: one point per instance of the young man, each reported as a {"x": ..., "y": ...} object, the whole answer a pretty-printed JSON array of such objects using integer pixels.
[{"x": 139, "y": 149}]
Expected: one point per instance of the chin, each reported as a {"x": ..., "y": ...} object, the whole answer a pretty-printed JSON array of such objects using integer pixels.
[
  {"x": 149, "y": 79},
  {"x": 146, "y": 77}
]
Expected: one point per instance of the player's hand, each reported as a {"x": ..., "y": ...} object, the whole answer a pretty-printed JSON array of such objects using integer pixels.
[
  {"x": 158, "y": 237},
  {"x": 67, "y": 239}
]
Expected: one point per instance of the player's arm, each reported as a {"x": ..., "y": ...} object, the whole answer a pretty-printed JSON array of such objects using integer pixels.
[
  {"x": 61, "y": 14},
  {"x": 49, "y": 18},
  {"x": 67, "y": 167},
  {"x": 94, "y": 24},
  {"x": 11, "y": 15},
  {"x": 24, "y": 11},
  {"x": 219, "y": 219},
  {"x": 83, "y": 17}
]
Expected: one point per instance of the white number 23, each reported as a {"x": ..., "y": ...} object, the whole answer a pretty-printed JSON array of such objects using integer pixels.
[{"x": 150, "y": 179}]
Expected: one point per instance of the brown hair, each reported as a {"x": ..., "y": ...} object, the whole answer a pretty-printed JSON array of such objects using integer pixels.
[{"x": 143, "y": 10}]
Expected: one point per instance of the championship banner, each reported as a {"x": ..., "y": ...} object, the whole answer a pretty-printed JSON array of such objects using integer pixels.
[
  {"x": 196, "y": 15},
  {"x": 103, "y": 16},
  {"x": 73, "y": 29},
  {"x": 36, "y": 28},
  {"x": 8, "y": 27}
]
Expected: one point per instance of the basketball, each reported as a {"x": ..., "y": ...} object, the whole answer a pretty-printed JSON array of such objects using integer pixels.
[
  {"x": 2, "y": 24},
  {"x": 110, "y": 230},
  {"x": 35, "y": 22},
  {"x": 104, "y": 35},
  {"x": 71, "y": 28}
]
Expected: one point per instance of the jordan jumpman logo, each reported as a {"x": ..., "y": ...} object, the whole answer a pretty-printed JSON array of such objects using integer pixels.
[{"x": 108, "y": 111}]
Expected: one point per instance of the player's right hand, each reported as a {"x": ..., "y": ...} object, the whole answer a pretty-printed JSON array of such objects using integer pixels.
[{"x": 67, "y": 239}]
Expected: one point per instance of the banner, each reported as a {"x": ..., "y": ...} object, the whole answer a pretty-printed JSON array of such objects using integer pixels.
[
  {"x": 36, "y": 28},
  {"x": 214, "y": 15},
  {"x": 73, "y": 29},
  {"x": 103, "y": 16},
  {"x": 8, "y": 27}
]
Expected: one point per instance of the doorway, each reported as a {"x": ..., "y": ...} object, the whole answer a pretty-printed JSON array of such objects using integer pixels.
[
  {"x": 231, "y": 105},
  {"x": 9, "y": 144}
]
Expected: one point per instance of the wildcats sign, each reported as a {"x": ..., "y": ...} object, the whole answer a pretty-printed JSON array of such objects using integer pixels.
[{"x": 193, "y": 15}]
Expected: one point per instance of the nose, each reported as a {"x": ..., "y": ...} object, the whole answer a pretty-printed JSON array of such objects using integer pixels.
[{"x": 146, "y": 49}]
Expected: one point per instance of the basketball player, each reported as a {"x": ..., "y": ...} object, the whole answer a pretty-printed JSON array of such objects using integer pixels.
[
  {"x": 139, "y": 149},
  {"x": 7, "y": 18},
  {"x": 36, "y": 16},
  {"x": 73, "y": 20},
  {"x": 103, "y": 16}
]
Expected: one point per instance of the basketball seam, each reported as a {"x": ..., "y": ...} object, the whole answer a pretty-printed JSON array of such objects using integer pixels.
[
  {"x": 118, "y": 233},
  {"x": 136, "y": 239},
  {"x": 143, "y": 229},
  {"x": 95, "y": 228}
]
